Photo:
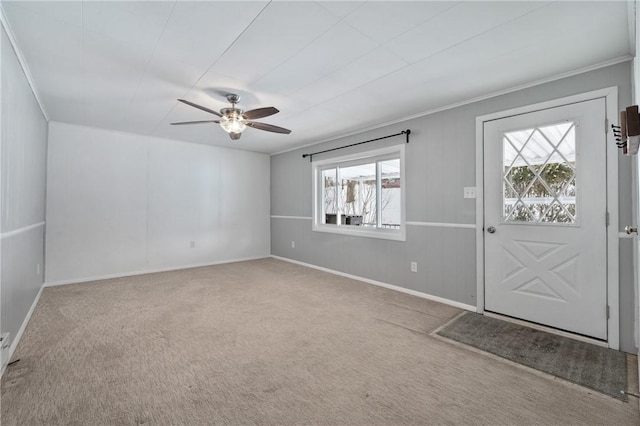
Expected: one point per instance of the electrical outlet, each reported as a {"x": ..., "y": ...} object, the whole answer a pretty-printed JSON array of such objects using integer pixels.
[
  {"x": 193, "y": 244},
  {"x": 293, "y": 244},
  {"x": 469, "y": 192},
  {"x": 414, "y": 266}
]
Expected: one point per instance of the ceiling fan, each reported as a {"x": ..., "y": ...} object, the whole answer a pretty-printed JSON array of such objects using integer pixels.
[{"x": 234, "y": 120}]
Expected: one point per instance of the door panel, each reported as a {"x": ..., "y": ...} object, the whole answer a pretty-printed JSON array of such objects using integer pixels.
[{"x": 545, "y": 197}]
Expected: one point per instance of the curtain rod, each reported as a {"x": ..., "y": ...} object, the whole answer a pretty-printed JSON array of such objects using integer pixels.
[{"x": 404, "y": 132}]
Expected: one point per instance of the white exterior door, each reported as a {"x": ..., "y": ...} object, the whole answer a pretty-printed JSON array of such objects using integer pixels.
[{"x": 545, "y": 208}]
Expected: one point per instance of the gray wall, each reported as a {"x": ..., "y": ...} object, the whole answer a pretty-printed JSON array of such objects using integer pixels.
[
  {"x": 23, "y": 174},
  {"x": 440, "y": 162}
]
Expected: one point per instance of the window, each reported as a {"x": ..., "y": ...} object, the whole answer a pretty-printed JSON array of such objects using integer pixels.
[
  {"x": 361, "y": 194},
  {"x": 539, "y": 174}
]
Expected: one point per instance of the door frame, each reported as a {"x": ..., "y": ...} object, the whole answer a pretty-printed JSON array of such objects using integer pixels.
[{"x": 610, "y": 95}]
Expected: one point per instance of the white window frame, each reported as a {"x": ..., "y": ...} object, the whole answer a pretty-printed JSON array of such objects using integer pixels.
[{"x": 346, "y": 160}]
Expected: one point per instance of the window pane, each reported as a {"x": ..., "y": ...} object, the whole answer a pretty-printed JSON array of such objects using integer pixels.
[
  {"x": 390, "y": 196},
  {"x": 539, "y": 174},
  {"x": 358, "y": 195},
  {"x": 329, "y": 196}
]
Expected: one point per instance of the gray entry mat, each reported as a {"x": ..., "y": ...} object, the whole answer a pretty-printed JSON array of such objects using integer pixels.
[{"x": 601, "y": 369}]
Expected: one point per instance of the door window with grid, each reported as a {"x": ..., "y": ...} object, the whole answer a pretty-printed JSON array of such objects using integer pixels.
[{"x": 539, "y": 174}]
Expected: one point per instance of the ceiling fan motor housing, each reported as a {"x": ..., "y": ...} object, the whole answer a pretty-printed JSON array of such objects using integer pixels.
[
  {"x": 233, "y": 98},
  {"x": 232, "y": 113}
]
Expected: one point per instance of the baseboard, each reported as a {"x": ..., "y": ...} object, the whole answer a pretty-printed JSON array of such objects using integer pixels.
[
  {"x": 147, "y": 271},
  {"x": 18, "y": 336},
  {"x": 385, "y": 285}
]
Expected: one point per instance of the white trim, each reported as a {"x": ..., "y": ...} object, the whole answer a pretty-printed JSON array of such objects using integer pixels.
[
  {"x": 18, "y": 336},
  {"x": 556, "y": 77},
  {"x": 444, "y": 225},
  {"x": 291, "y": 217},
  {"x": 22, "y": 61},
  {"x": 613, "y": 245},
  {"x": 2, "y": 364},
  {"x": 573, "y": 99},
  {"x": 480, "y": 214},
  {"x": 385, "y": 285},
  {"x": 146, "y": 271},
  {"x": 361, "y": 231},
  {"x": 21, "y": 230},
  {"x": 611, "y": 99}
]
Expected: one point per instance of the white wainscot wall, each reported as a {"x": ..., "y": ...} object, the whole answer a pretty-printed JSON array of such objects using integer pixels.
[{"x": 120, "y": 203}]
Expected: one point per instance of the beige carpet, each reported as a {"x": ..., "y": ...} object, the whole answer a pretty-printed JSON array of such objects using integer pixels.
[{"x": 268, "y": 342}]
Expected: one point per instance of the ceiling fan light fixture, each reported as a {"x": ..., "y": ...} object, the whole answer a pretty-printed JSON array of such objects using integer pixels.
[
  {"x": 233, "y": 121},
  {"x": 233, "y": 125}
]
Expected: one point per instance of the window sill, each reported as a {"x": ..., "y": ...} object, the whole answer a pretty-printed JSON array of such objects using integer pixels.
[{"x": 358, "y": 231}]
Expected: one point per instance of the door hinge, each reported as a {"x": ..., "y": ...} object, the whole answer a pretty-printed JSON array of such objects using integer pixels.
[
  {"x": 606, "y": 219},
  {"x": 606, "y": 125},
  {"x": 608, "y": 313}
]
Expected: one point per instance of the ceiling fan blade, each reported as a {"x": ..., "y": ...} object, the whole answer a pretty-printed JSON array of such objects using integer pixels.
[
  {"x": 210, "y": 111},
  {"x": 195, "y": 122},
  {"x": 260, "y": 113},
  {"x": 235, "y": 136},
  {"x": 267, "y": 127}
]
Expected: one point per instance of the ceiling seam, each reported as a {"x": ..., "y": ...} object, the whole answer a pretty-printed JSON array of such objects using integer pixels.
[
  {"x": 378, "y": 44},
  {"x": 146, "y": 66},
  {"x": 409, "y": 64},
  {"x": 212, "y": 65},
  {"x": 343, "y": 20},
  {"x": 453, "y": 5},
  {"x": 487, "y": 31},
  {"x": 316, "y": 38}
]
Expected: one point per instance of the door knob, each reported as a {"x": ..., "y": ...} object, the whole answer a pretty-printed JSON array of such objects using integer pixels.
[
  {"x": 491, "y": 229},
  {"x": 631, "y": 229}
]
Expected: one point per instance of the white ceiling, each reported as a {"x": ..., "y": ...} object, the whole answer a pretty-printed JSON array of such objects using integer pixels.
[{"x": 330, "y": 67}]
